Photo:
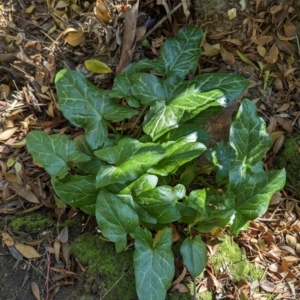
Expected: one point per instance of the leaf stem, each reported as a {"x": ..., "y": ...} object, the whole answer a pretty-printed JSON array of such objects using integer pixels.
[
  {"x": 142, "y": 112},
  {"x": 112, "y": 128}
]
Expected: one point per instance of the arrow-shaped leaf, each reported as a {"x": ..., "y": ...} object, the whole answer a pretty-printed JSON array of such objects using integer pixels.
[
  {"x": 179, "y": 55},
  {"x": 115, "y": 218},
  {"x": 153, "y": 263},
  {"x": 87, "y": 106},
  {"x": 248, "y": 137},
  {"x": 194, "y": 255},
  {"x": 54, "y": 152}
]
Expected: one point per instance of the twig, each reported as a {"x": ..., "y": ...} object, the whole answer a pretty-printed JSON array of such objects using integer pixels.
[{"x": 160, "y": 22}]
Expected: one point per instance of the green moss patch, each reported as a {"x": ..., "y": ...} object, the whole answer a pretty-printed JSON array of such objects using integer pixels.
[
  {"x": 30, "y": 223},
  {"x": 231, "y": 255}
]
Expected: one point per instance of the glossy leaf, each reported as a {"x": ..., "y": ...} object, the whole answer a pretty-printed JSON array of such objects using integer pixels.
[
  {"x": 251, "y": 197},
  {"x": 153, "y": 262},
  {"x": 194, "y": 255},
  {"x": 131, "y": 159},
  {"x": 54, "y": 152},
  {"x": 115, "y": 219},
  {"x": 162, "y": 203},
  {"x": 249, "y": 139},
  {"x": 77, "y": 191},
  {"x": 179, "y": 55},
  {"x": 163, "y": 117},
  {"x": 221, "y": 155},
  {"x": 93, "y": 165},
  {"x": 178, "y": 153},
  {"x": 87, "y": 106}
]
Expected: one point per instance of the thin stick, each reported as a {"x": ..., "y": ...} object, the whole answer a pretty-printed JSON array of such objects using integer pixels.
[{"x": 160, "y": 22}]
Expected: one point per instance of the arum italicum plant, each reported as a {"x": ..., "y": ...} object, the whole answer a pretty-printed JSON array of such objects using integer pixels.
[{"x": 135, "y": 182}]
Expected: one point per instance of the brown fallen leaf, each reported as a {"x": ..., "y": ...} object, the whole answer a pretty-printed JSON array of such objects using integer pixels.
[
  {"x": 24, "y": 192},
  {"x": 272, "y": 55},
  {"x": 56, "y": 247},
  {"x": 128, "y": 37},
  {"x": 263, "y": 40},
  {"x": 7, "y": 239},
  {"x": 289, "y": 29},
  {"x": 101, "y": 11},
  {"x": 27, "y": 251},
  {"x": 35, "y": 290},
  {"x": 227, "y": 56},
  {"x": 73, "y": 36},
  {"x": 6, "y": 134}
]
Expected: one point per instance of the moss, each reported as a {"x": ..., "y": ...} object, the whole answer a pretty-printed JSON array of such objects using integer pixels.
[
  {"x": 289, "y": 158},
  {"x": 230, "y": 255},
  {"x": 30, "y": 223},
  {"x": 109, "y": 273}
]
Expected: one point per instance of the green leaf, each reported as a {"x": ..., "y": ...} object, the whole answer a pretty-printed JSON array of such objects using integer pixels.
[
  {"x": 148, "y": 88},
  {"x": 162, "y": 203},
  {"x": 188, "y": 175},
  {"x": 212, "y": 211},
  {"x": 179, "y": 55},
  {"x": 178, "y": 153},
  {"x": 87, "y": 106},
  {"x": 221, "y": 155},
  {"x": 77, "y": 191},
  {"x": 163, "y": 117},
  {"x": 194, "y": 255},
  {"x": 131, "y": 159},
  {"x": 183, "y": 130},
  {"x": 250, "y": 197},
  {"x": 54, "y": 152},
  {"x": 115, "y": 219},
  {"x": 93, "y": 165},
  {"x": 249, "y": 139},
  {"x": 142, "y": 184},
  {"x": 232, "y": 85},
  {"x": 153, "y": 262},
  {"x": 97, "y": 66}
]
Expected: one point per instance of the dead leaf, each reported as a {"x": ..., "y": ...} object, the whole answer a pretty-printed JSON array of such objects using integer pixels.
[
  {"x": 246, "y": 60},
  {"x": 291, "y": 241},
  {"x": 263, "y": 40},
  {"x": 10, "y": 177},
  {"x": 24, "y": 192},
  {"x": 101, "y": 11},
  {"x": 278, "y": 144},
  {"x": 175, "y": 234},
  {"x": 268, "y": 286},
  {"x": 285, "y": 46},
  {"x": 283, "y": 107},
  {"x": 140, "y": 32},
  {"x": 73, "y": 36},
  {"x": 6, "y": 134},
  {"x": 128, "y": 37},
  {"x": 56, "y": 247},
  {"x": 63, "y": 236},
  {"x": 27, "y": 251},
  {"x": 65, "y": 248},
  {"x": 180, "y": 288},
  {"x": 272, "y": 55},
  {"x": 35, "y": 290},
  {"x": 289, "y": 29},
  {"x": 7, "y": 239},
  {"x": 4, "y": 91},
  {"x": 227, "y": 56}
]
